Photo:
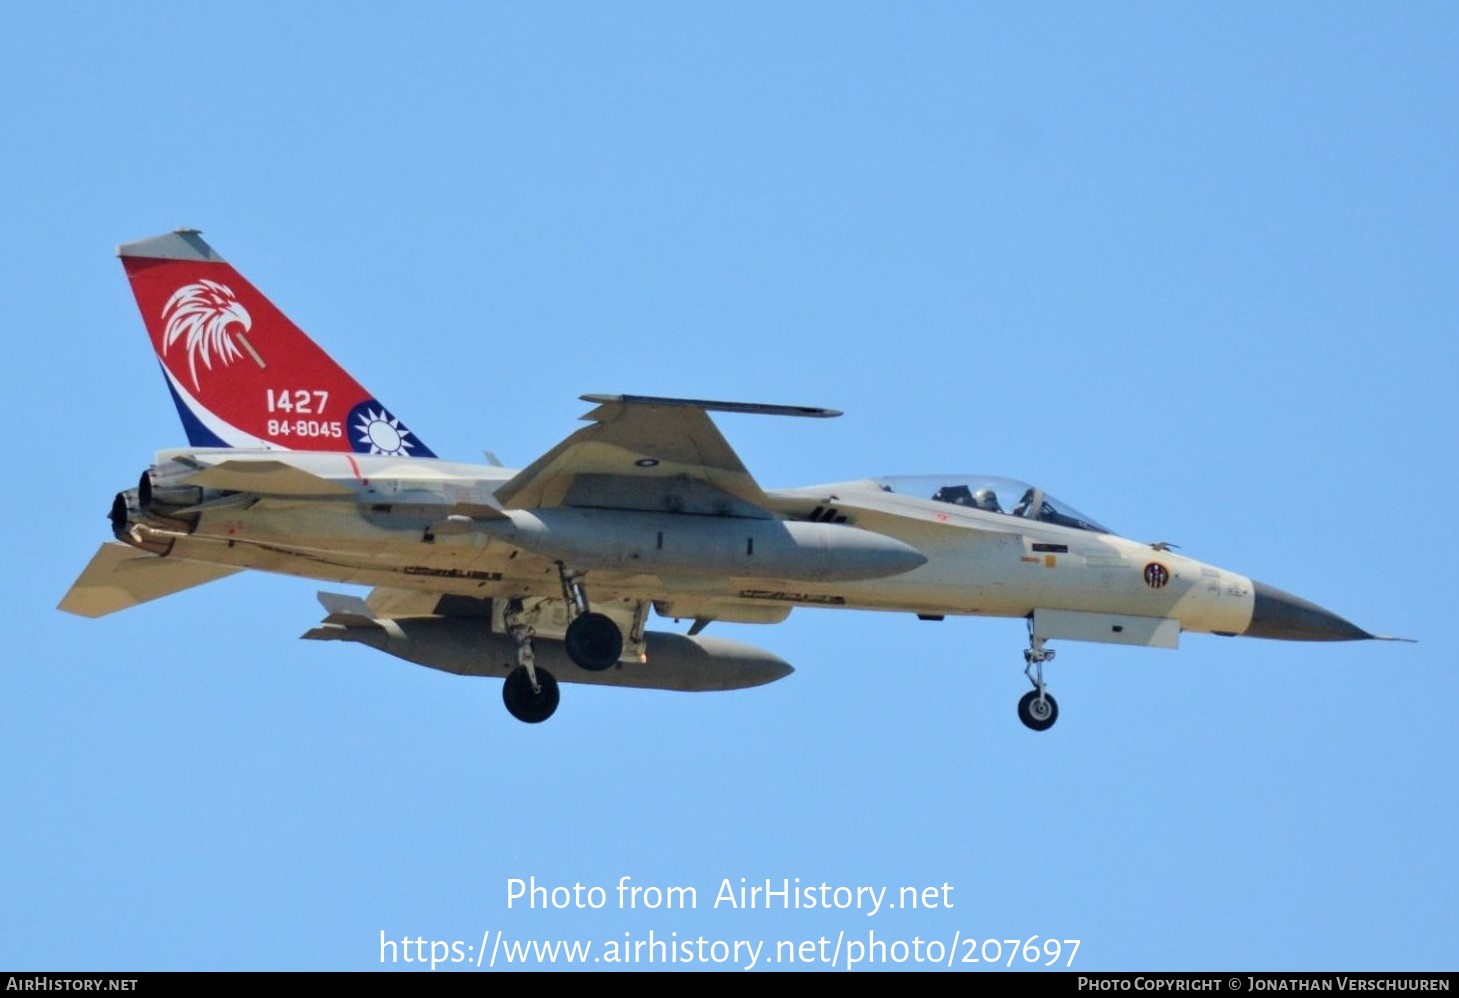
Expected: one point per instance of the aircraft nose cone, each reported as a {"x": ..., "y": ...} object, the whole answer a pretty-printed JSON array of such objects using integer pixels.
[{"x": 1291, "y": 618}]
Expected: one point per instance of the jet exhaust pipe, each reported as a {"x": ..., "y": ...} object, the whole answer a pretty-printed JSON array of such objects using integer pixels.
[
  {"x": 157, "y": 490},
  {"x": 120, "y": 516},
  {"x": 145, "y": 517},
  {"x": 130, "y": 524},
  {"x": 666, "y": 543}
]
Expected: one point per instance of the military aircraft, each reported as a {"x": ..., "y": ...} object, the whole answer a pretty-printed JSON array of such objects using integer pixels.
[{"x": 549, "y": 572}]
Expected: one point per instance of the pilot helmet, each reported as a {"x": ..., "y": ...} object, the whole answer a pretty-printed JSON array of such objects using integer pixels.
[{"x": 987, "y": 499}]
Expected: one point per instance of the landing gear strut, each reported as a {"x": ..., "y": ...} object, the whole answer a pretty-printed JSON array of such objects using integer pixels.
[
  {"x": 1037, "y": 709},
  {"x": 592, "y": 640},
  {"x": 530, "y": 693}
]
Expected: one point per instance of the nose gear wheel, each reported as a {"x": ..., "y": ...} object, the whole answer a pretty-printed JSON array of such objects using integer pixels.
[{"x": 1037, "y": 709}]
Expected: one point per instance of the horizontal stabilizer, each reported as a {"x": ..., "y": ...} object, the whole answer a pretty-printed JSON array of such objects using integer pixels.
[
  {"x": 273, "y": 478},
  {"x": 120, "y": 577}
]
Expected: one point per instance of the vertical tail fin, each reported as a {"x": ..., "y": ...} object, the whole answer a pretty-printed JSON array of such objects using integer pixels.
[{"x": 241, "y": 373}]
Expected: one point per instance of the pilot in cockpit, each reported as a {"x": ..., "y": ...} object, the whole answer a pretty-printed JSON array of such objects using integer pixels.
[
  {"x": 987, "y": 499},
  {"x": 959, "y": 495}
]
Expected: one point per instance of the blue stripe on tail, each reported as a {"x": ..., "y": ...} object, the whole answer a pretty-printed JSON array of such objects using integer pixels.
[{"x": 198, "y": 435}]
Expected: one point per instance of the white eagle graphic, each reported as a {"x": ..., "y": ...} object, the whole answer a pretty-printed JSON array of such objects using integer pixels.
[{"x": 205, "y": 314}]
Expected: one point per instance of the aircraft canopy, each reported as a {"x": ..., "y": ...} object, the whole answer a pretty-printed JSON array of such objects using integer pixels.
[{"x": 993, "y": 495}]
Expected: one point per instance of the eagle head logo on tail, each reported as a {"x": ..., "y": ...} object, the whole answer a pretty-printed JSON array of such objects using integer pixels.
[{"x": 212, "y": 321}]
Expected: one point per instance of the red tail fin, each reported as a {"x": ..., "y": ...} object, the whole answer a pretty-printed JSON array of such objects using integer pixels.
[{"x": 241, "y": 373}]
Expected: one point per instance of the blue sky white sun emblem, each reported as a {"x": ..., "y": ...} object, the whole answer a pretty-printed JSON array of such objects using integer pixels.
[{"x": 374, "y": 431}]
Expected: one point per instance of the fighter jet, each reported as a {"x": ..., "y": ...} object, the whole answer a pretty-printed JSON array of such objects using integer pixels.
[{"x": 549, "y": 573}]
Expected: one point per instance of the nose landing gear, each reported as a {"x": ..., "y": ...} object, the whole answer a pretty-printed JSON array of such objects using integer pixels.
[{"x": 1037, "y": 709}]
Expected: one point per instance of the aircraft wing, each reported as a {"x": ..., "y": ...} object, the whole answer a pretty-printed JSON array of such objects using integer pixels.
[
  {"x": 650, "y": 454},
  {"x": 119, "y": 577}
]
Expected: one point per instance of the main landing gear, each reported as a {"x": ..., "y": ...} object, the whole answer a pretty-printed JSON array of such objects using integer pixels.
[
  {"x": 593, "y": 641},
  {"x": 1037, "y": 709},
  {"x": 530, "y": 693}
]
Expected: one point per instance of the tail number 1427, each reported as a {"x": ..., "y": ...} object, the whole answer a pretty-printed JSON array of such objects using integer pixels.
[{"x": 298, "y": 400}]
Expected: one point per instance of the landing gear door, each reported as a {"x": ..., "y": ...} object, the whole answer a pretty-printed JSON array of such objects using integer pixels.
[{"x": 1107, "y": 628}]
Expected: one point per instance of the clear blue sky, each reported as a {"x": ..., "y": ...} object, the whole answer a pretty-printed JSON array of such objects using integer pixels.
[{"x": 1191, "y": 267}]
